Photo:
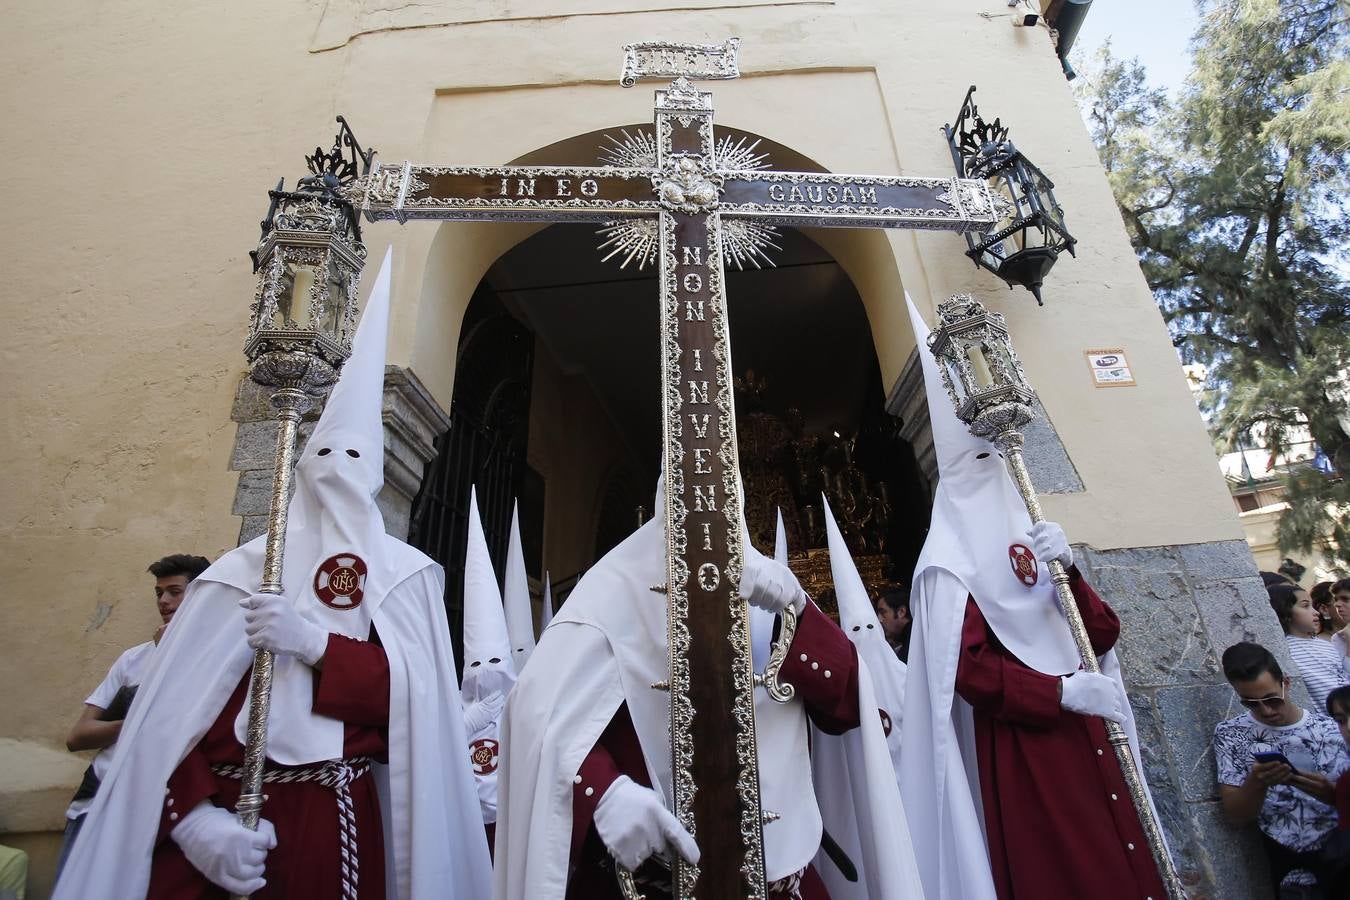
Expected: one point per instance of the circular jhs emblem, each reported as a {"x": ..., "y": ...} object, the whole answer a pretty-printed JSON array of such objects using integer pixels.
[
  {"x": 1023, "y": 563},
  {"x": 340, "y": 582},
  {"x": 885, "y": 721},
  {"x": 483, "y": 756}
]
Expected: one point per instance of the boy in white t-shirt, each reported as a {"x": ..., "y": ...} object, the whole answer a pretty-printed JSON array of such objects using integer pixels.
[
  {"x": 1277, "y": 766},
  {"x": 101, "y": 721}
]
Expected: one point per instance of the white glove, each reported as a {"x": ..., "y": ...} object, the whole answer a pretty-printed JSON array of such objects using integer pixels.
[
  {"x": 770, "y": 585},
  {"x": 1048, "y": 542},
  {"x": 228, "y": 854},
  {"x": 634, "y": 824},
  {"x": 480, "y": 715},
  {"x": 272, "y": 622},
  {"x": 1091, "y": 695}
]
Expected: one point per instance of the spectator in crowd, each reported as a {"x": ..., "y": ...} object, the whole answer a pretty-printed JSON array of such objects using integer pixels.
[
  {"x": 1340, "y": 600},
  {"x": 104, "y": 710},
  {"x": 893, "y": 611},
  {"x": 1277, "y": 766},
  {"x": 1338, "y": 707},
  {"x": 1321, "y": 663},
  {"x": 1326, "y": 612}
]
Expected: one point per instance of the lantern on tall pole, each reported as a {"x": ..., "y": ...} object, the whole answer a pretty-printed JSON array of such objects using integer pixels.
[
  {"x": 989, "y": 388},
  {"x": 308, "y": 262},
  {"x": 1022, "y": 246}
]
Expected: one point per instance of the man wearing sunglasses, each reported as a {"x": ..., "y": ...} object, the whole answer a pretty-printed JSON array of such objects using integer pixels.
[{"x": 1277, "y": 766}]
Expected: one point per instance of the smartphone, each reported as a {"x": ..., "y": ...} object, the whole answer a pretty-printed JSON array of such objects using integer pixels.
[{"x": 1271, "y": 756}]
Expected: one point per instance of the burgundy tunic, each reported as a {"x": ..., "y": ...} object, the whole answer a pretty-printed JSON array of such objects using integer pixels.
[
  {"x": 1057, "y": 813},
  {"x": 822, "y": 666},
  {"x": 306, "y": 863}
]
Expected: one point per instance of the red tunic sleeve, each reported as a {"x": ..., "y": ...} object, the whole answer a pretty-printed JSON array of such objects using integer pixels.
[
  {"x": 822, "y": 665},
  {"x": 616, "y": 753},
  {"x": 1103, "y": 626},
  {"x": 190, "y": 784},
  {"x": 991, "y": 680},
  {"x": 353, "y": 685}
]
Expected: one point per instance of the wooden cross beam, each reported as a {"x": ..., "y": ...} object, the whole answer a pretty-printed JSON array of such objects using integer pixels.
[{"x": 714, "y": 762}]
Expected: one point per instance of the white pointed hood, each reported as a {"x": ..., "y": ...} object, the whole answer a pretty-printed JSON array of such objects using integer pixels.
[
  {"x": 519, "y": 617},
  {"x": 979, "y": 524},
  {"x": 488, "y": 667},
  {"x": 546, "y": 608},
  {"x": 858, "y": 618}
]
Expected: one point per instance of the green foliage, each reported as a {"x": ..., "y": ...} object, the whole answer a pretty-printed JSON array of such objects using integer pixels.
[{"x": 1234, "y": 196}]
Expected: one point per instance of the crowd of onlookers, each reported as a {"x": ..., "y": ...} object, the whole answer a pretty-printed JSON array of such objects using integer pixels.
[{"x": 1284, "y": 767}]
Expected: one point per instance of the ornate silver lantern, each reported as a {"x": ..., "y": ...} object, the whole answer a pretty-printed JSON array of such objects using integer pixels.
[
  {"x": 1023, "y": 246},
  {"x": 982, "y": 373},
  {"x": 308, "y": 263},
  {"x": 989, "y": 388}
]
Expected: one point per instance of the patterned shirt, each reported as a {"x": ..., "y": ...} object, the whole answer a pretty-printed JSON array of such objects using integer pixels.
[
  {"x": 1312, "y": 744},
  {"x": 1322, "y": 664}
]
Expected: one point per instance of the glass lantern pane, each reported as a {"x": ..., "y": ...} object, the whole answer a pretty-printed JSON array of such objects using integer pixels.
[
  {"x": 334, "y": 299},
  {"x": 293, "y": 301},
  {"x": 958, "y": 385},
  {"x": 979, "y": 367}
]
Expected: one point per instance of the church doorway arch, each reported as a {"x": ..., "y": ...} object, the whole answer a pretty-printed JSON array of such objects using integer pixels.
[{"x": 583, "y": 451}]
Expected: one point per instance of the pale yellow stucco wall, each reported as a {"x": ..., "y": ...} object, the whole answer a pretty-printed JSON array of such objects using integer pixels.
[{"x": 140, "y": 141}]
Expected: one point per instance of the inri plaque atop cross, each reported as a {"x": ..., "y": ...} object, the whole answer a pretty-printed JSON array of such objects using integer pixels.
[{"x": 714, "y": 765}]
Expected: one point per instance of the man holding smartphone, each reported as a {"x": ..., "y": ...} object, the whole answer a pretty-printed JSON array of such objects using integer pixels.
[{"x": 1277, "y": 766}]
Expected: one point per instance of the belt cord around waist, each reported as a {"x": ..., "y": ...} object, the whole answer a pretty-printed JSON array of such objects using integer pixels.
[{"x": 337, "y": 774}]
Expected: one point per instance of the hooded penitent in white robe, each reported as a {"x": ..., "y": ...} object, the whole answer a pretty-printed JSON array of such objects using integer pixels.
[
  {"x": 859, "y": 620},
  {"x": 977, "y": 516},
  {"x": 489, "y": 672},
  {"x": 434, "y": 842},
  {"x": 607, "y": 646},
  {"x": 516, "y": 594}
]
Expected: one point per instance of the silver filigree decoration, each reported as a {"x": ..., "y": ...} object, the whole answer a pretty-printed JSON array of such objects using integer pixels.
[
  {"x": 685, "y": 184},
  {"x": 664, "y": 59},
  {"x": 636, "y": 239},
  {"x": 633, "y": 151},
  {"x": 735, "y": 154},
  {"x": 743, "y": 710},
  {"x": 746, "y": 242}
]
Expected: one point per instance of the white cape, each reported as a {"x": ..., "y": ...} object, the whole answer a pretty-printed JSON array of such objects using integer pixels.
[
  {"x": 434, "y": 841},
  {"x": 606, "y": 646}
]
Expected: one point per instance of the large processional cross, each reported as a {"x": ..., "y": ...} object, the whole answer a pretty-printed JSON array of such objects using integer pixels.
[{"x": 692, "y": 203}]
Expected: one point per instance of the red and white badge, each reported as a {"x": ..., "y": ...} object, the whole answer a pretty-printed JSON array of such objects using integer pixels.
[
  {"x": 885, "y": 721},
  {"x": 1023, "y": 563},
  {"x": 483, "y": 755},
  {"x": 340, "y": 582}
]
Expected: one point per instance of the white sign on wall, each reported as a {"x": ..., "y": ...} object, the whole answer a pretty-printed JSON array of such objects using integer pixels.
[{"x": 1109, "y": 368}]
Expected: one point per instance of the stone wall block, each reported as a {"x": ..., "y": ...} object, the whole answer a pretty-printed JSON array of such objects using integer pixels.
[
  {"x": 251, "y": 527},
  {"x": 255, "y": 445},
  {"x": 1218, "y": 561},
  {"x": 1189, "y": 715},
  {"x": 1233, "y": 856},
  {"x": 253, "y": 496},
  {"x": 1159, "y": 772},
  {"x": 1239, "y": 610},
  {"x": 1163, "y": 641}
]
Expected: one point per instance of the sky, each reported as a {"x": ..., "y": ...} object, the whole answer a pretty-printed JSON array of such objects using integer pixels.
[{"x": 1156, "y": 31}]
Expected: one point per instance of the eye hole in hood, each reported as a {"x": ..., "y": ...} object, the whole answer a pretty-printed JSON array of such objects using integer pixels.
[{"x": 325, "y": 451}]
